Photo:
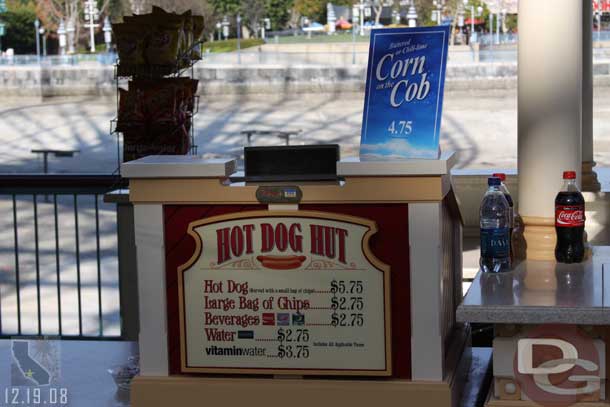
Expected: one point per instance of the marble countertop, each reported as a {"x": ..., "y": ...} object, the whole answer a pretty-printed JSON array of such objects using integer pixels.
[
  {"x": 178, "y": 166},
  {"x": 542, "y": 292},
  {"x": 192, "y": 166},
  {"x": 352, "y": 166}
]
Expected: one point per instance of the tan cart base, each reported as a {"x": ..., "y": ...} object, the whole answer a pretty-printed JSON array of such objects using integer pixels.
[
  {"x": 518, "y": 403},
  {"x": 238, "y": 392},
  {"x": 494, "y": 402}
]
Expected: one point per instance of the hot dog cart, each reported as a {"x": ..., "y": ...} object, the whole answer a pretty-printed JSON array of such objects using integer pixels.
[{"x": 340, "y": 290}]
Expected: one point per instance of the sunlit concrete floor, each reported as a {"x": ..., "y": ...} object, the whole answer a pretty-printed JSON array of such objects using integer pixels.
[{"x": 481, "y": 126}]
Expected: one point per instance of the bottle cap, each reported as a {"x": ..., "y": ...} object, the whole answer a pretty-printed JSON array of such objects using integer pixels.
[
  {"x": 569, "y": 175},
  {"x": 493, "y": 181},
  {"x": 500, "y": 175}
]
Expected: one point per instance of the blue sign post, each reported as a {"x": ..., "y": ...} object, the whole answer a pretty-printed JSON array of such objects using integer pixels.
[{"x": 404, "y": 93}]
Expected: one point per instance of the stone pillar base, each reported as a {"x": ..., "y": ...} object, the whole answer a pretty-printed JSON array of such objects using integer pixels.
[
  {"x": 534, "y": 238},
  {"x": 538, "y": 239},
  {"x": 589, "y": 177}
]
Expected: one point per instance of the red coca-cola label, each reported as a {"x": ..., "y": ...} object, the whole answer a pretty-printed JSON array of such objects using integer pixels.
[{"x": 570, "y": 216}]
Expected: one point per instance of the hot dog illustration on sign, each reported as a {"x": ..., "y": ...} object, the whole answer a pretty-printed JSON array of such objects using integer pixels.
[{"x": 290, "y": 292}]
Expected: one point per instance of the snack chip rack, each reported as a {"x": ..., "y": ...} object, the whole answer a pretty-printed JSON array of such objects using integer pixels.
[{"x": 184, "y": 67}]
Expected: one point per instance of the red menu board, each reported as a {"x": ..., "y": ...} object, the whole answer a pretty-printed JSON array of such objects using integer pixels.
[{"x": 268, "y": 292}]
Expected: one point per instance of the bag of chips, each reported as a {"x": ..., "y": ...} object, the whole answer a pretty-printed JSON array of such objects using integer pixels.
[
  {"x": 156, "y": 99},
  {"x": 198, "y": 27},
  {"x": 187, "y": 38},
  {"x": 130, "y": 43},
  {"x": 163, "y": 43},
  {"x": 188, "y": 92},
  {"x": 159, "y": 38},
  {"x": 135, "y": 143},
  {"x": 129, "y": 114}
]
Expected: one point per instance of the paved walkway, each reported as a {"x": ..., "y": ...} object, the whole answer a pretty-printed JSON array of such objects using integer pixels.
[{"x": 480, "y": 126}]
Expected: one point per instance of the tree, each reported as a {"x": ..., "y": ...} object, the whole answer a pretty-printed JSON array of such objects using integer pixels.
[
  {"x": 315, "y": 10},
  {"x": 511, "y": 22},
  {"x": 117, "y": 9},
  {"x": 253, "y": 12},
  {"x": 226, "y": 7},
  {"x": 278, "y": 11},
  {"x": 476, "y": 4},
  {"x": 210, "y": 18},
  {"x": 52, "y": 12},
  {"x": 424, "y": 12},
  {"x": 378, "y": 6},
  {"x": 19, "y": 20}
]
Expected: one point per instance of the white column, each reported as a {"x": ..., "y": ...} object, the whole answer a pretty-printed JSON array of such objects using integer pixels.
[
  {"x": 426, "y": 258},
  {"x": 550, "y": 112},
  {"x": 589, "y": 177},
  {"x": 150, "y": 249}
]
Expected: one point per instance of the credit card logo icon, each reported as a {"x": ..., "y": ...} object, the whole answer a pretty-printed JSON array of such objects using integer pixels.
[
  {"x": 268, "y": 318},
  {"x": 283, "y": 319},
  {"x": 298, "y": 319},
  {"x": 245, "y": 334},
  {"x": 290, "y": 193}
]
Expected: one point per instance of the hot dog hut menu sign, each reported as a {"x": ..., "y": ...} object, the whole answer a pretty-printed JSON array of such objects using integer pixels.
[{"x": 284, "y": 292}]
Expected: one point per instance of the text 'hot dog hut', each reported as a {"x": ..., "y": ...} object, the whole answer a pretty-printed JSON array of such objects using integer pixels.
[{"x": 278, "y": 292}]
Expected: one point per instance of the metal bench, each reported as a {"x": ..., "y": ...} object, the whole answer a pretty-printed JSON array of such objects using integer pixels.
[
  {"x": 283, "y": 135},
  {"x": 57, "y": 153}
]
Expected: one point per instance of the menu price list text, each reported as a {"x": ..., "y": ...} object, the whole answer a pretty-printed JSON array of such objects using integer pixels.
[{"x": 284, "y": 323}]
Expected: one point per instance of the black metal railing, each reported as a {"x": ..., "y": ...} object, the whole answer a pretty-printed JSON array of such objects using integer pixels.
[{"x": 59, "y": 257}]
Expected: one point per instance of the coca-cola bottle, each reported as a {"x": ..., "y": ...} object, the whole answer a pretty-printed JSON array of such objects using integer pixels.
[{"x": 569, "y": 221}]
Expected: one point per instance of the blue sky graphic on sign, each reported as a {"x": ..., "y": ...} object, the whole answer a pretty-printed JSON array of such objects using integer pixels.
[{"x": 404, "y": 93}]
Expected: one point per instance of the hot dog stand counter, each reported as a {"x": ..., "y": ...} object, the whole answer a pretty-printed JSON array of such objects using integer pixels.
[{"x": 339, "y": 291}]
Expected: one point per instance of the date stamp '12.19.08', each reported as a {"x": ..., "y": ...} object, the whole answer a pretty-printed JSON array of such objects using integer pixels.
[{"x": 35, "y": 374}]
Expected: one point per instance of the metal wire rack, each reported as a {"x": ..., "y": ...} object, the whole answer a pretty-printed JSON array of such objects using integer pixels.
[{"x": 184, "y": 67}]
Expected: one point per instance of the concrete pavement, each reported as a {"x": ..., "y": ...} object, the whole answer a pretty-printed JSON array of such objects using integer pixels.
[{"x": 481, "y": 126}]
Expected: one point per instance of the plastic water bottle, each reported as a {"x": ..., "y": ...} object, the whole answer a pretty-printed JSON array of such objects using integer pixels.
[
  {"x": 507, "y": 195},
  {"x": 495, "y": 229},
  {"x": 511, "y": 212}
]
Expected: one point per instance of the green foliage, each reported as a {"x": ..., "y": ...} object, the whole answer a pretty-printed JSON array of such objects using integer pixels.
[
  {"x": 511, "y": 22},
  {"x": 20, "y": 31},
  {"x": 315, "y": 10},
  {"x": 346, "y": 2},
  {"x": 209, "y": 17},
  {"x": 226, "y": 7},
  {"x": 117, "y": 9},
  {"x": 231, "y": 44},
  {"x": 484, "y": 14},
  {"x": 424, "y": 12},
  {"x": 278, "y": 11},
  {"x": 252, "y": 13},
  {"x": 322, "y": 38}
]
